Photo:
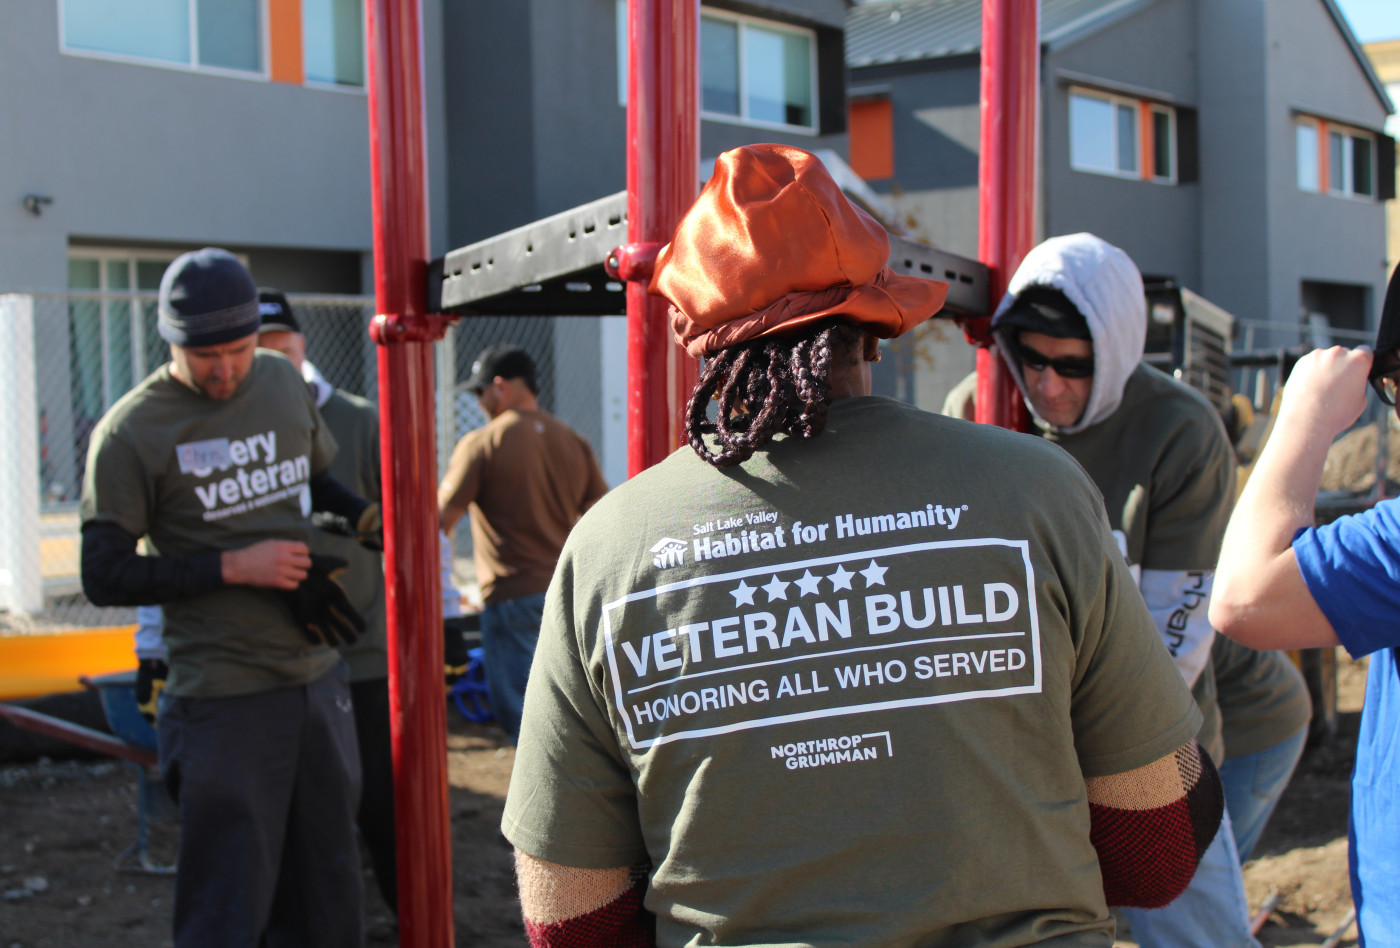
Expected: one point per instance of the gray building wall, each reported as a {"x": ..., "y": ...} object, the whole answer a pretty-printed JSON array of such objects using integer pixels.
[
  {"x": 937, "y": 122},
  {"x": 1234, "y": 201},
  {"x": 1309, "y": 236},
  {"x": 144, "y": 153},
  {"x": 542, "y": 75},
  {"x": 1156, "y": 224},
  {"x": 1244, "y": 235}
]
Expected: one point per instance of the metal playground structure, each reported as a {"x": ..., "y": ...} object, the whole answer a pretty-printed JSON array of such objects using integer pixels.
[{"x": 415, "y": 302}]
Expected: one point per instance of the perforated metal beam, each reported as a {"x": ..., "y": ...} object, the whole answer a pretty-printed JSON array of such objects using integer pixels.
[
  {"x": 550, "y": 267},
  {"x": 554, "y": 266}
]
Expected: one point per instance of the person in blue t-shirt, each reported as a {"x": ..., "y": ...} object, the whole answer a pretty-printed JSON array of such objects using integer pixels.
[{"x": 1284, "y": 583}]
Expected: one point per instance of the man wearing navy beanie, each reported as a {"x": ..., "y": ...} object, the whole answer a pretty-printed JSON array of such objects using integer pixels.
[{"x": 217, "y": 459}]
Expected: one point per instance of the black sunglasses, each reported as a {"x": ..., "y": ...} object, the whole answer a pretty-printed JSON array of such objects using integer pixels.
[
  {"x": 1382, "y": 376},
  {"x": 1071, "y": 368}
]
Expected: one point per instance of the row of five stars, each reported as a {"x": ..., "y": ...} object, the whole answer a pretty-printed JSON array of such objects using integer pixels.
[{"x": 809, "y": 585}]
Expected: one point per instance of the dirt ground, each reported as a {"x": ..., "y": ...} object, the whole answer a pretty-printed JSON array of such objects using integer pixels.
[{"x": 63, "y": 823}]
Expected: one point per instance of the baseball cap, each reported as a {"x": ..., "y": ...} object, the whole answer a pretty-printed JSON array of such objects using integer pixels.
[
  {"x": 207, "y": 297},
  {"x": 771, "y": 246},
  {"x": 276, "y": 312},
  {"x": 508, "y": 362}
]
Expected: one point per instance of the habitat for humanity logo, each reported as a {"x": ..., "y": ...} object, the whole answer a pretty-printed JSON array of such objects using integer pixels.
[{"x": 667, "y": 552}]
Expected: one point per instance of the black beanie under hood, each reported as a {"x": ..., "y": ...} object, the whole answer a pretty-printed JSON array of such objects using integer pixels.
[{"x": 1046, "y": 310}]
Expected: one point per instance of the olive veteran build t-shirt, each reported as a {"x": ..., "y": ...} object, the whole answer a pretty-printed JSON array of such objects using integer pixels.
[
  {"x": 847, "y": 693},
  {"x": 195, "y": 475}
]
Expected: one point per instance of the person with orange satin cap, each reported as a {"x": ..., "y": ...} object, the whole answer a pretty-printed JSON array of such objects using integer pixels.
[{"x": 841, "y": 672}]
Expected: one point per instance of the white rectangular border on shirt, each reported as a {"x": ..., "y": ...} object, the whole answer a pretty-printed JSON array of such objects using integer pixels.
[{"x": 769, "y": 710}]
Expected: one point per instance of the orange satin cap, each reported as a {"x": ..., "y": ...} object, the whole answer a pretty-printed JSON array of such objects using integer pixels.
[{"x": 772, "y": 245}]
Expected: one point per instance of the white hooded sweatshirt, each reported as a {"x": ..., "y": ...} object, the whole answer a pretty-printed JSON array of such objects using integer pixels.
[{"x": 1167, "y": 472}]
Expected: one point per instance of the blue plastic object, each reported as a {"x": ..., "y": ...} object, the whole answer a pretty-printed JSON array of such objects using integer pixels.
[
  {"x": 471, "y": 693},
  {"x": 118, "y": 694}
]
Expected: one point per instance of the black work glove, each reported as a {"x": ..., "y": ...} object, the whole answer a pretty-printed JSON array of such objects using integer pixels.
[
  {"x": 320, "y": 605},
  {"x": 150, "y": 682},
  {"x": 454, "y": 651}
]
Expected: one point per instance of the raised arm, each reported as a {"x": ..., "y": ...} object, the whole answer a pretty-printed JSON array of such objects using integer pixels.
[{"x": 1260, "y": 598}]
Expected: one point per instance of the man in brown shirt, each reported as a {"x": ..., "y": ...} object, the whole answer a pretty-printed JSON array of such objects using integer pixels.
[{"x": 525, "y": 478}]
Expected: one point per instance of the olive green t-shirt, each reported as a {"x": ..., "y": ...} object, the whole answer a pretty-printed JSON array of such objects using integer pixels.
[
  {"x": 1167, "y": 472},
  {"x": 354, "y": 422},
  {"x": 194, "y": 475},
  {"x": 1263, "y": 697},
  {"x": 848, "y": 692}
]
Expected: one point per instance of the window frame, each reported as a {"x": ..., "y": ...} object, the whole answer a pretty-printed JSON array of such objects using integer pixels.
[
  {"x": 1144, "y": 136},
  {"x": 743, "y": 21},
  {"x": 1324, "y": 131},
  {"x": 262, "y": 74},
  {"x": 1153, "y": 109}
]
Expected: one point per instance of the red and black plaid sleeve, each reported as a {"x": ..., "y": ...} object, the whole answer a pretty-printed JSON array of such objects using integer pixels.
[
  {"x": 622, "y": 923},
  {"x": 1148, "y": 853}
]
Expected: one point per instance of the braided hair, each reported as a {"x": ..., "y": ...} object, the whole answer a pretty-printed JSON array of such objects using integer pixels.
[{"x": 764, "y": 386}]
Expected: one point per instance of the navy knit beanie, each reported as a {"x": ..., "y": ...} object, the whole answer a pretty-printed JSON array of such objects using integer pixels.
[{"x": 207, "y": 298}]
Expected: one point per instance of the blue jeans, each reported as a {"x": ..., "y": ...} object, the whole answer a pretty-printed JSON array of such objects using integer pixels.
[
  {"x": 1211, "y": 912},
  {"x": 509, "y": 631},
  {"x": 1253, "y": 784}
]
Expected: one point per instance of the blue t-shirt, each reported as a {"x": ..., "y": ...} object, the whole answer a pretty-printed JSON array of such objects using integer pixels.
[{"x": 1352, "y": 569}]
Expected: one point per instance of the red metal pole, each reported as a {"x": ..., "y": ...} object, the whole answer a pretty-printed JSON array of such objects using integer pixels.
[
  {"x": 663, "y": 156},
  {"x": 405, "y": 333},
  {"x": 1006, "y": 180}
]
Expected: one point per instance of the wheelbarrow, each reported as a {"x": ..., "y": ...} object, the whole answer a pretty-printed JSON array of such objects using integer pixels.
[{"x": 132, "y": 741}]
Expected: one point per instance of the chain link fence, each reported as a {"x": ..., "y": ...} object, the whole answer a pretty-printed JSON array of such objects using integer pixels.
[{"x": 71, "y": 356}]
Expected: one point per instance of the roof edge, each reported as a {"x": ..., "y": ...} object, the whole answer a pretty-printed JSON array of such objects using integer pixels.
[{"x": 1360, "y": 54}]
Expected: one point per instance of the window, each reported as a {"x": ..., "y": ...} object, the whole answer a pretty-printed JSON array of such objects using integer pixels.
[
  {"x": 333, "y": 41},
  {"x": 751, "y": 71},
  {"x": 1128, "y": 138},
  {"x": 113, "y": 342},
  {"x": 1334, "y": 159},
  {"x": 204, "y": 34},
  {"x": 756, "y": 72},
  {"x": 1308, "y": 166}
]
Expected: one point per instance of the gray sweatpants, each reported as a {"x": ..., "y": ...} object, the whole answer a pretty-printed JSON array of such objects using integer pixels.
[{"x": 267, "y": 786}]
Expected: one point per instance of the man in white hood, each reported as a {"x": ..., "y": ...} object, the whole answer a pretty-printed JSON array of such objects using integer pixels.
[{"x": 1072, "y": 328}]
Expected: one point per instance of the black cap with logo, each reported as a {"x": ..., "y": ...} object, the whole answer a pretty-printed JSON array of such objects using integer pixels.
[{"x": 277, "y": 315}]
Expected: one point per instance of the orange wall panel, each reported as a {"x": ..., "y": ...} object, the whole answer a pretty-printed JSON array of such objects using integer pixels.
[
  {"x": 872, "y": 138},
  {"x": 284, "y": 29},
  {"x": 1147, "y": 155},
  {"x": 1324, "y": 158}
]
